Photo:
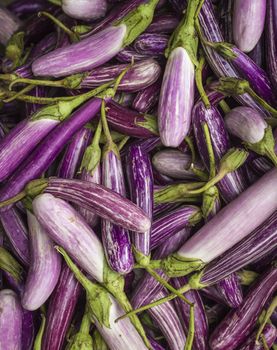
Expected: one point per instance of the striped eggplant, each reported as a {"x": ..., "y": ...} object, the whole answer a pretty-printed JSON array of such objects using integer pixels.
[
  {"x": 225, "y": 21},
  {"x": 86, "y": 10},
  {"x": 248, "y": 23},
  {"x": 271, "y": 45},
  {"x": 10, "y": 320},
  {"x": 129, "y": 55},
  {"x": 163, "y": 23},
  {"x": 151, "y": 44},
  {"x": 22, "y": 8},
  {"x": 9, "y": 24},
  {"x": 45, "y": 267},
  {"x": 147, "y": 98},
  {"x": 160, "y": 209},
  {"x": 140, "y": 179},
  {"x": 200, "y": 319},
  {"x": 230, "y": 290},
  {"x": 238, "y": 324},
  {"x": 257, "y": 54},
  {"x": 269, "y": 335},
  {"x": 98, "y": 48},
  {"x": 155, "y": 345}
]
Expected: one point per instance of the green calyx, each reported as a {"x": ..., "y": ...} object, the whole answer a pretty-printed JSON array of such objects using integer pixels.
[
  {"x": 141, "y": 259},
  {"x": 224, "y": 49},
  {"x": 178, "y": 266},
  {"x": 137, "y": 21},
  {"x": 265, "y": 147},
  {"x": 210, "y": 199},
  {"x": 195, "y": 218},
  {"x": 247, "y": 277},
  {"x": 10, "y": 265},
  {"x": 150, "y": 123},
  {"x": 15, "y": 48},
  {"x": 98, "y": 341},
  {"x": 177, "y": 193},
  {"x": 81, "y": 29}
]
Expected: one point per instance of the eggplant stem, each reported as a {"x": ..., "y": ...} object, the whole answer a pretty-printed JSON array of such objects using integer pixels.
[
  {"x": 19, "y": 93},
  {"x": 123, "y": 142},
  {"x": 86, "y": 322},
  {"x": 189, "y": 142},
  {"x": 261, "y": 101},
  {"x": 105, "y": 124},
  {"x": 272, "y": 156},
  {"x": 224, "y": 106},
  {"x": 267, "y": 316},
  {"x": 38, "y": 340},
  {"x": 199, "y": 82},
  {"x": 210, "y": 150},
  {"x": 191, "y": 330},
  {"x": 14, "y": 199},
  {"x": 57, "y": 83}
]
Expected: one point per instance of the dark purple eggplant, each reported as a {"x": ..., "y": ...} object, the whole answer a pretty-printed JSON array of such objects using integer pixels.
[
  {"x": 271, "y": 45},
  {"x": 151, "y": 44},
  {"x": 269, "y": 336},
  {"x": 23, "y": 8},
  {"x": 163, "y": 23}
]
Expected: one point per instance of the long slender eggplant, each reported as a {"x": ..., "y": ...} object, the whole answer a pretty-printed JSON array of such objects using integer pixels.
[
  {"x": 10, "y": 320},
  {"x": 44, "y": 269},
  {"x": 140, "y": 178},
  {"x": 269, "y": 335},
  {"x": 9, "y": 23},
  {"x": 147, "y": 98},
  {"x": 271, "y": 46},
  {"x": 86, "y": 10}
]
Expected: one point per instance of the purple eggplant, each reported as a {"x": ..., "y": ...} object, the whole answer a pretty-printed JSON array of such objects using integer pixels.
[
  {"x": 225, "y": 20},
  {"x": 151, "y": 44},
  {"x": 163, "y": 23},
  {"x": 248, "y": 23},
  {"x": 269, "y": 335},
  {"x": 9, "y": 23},
  {"x": 140, "y": 180},
  {"x": 230, "y": 289},
  {"x": 258, "y": 53},
  {"x": 271, "y": 45},
  {"x": 129, "y": 55},
  {"x": 86, "y": 9},
  {"x": 28, "y": 329},
  {"x": 10, "y": 320},
  {"x": 44, "y": 269},
  {"x": 200, "y": 318},
  {"x": 23, "y": 8},
  {"x": 147, "y": 98},
  {"x": 239, "y": 323}
]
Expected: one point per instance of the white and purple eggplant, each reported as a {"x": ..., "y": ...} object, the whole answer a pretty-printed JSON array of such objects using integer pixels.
[
  {"x": 141, "y": 185},
  {"x": 10, "y": 320},
  {"x": 248, "y": 23},
  {"x": 9, "y": 23},
  {"x": 147, "y": 98},
  {"x": 151, "y": 44},
  {"x": 163, "y": 23},
  {"x": 268, "y": 337},
  {"x": 45, "y": 267},
  {"x": 86, "y": 10},
  {"x": 98, "y": 48},
  {"x": 271, "y": 45}
]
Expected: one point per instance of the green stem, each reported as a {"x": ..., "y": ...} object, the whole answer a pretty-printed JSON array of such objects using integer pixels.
[
  {"x": 123, "y": 142},
  {"x": 86, "y": 322},
  {"x": 210, "y": 150},
  {"x": 267, "y": 316},
  {"x": 209, "y": 184},
  {"x": 56, "y": 2},
  {"x": 8, "y": 77},
  {"x": 199, "y": 82},
  {"x": 97, "y": 134},
  {"x": 38, "y": 340},
  {"x": 14, "y": 199},
  {"x": 262, "y": 102},
  {"x": 266, "y": 347},
  {"x": 18, "y": 94},
  {"x": 73, "y": 36},
  {"x": 224, "y": 106},
  {"x": 105, "y": 124},
  {"x": 191, "y": 330},
  {"x": 189, "y": 142}
]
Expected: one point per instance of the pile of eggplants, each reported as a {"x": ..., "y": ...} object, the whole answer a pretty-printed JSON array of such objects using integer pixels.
[{"x": 138, "y": 179}]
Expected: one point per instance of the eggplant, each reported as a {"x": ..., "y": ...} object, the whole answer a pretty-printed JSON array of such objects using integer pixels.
[
  {"x": 257, "y": 54},
  {"x": 147, "y": 98},
  {"x": 269, "y": 335},
  {"x": 238, "y": 324},
  {"x": 22, "y": 8},
  {"x": 10, "y": 24},
  {"x": 44, "y": 268},
  {"x": 141, "y": 186},
  {"x": 163, "y": 23},
  {"x": 129, "y": 55},
  {"x": 271, "y": 46},
  {"x": 230, "y": 289},
  {"x": 86, "y": 10},
  {"x": 151, "y": 44},
  {"x": 248, "y": 23}
]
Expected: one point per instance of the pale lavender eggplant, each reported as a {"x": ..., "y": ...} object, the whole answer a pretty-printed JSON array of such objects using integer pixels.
[
  {"x": 67, "y": 228},
  {"x": 45, "y": 267},
  {"x": 86, "y": 10},
  {"x": 163, "y": 23},
  {"x": 140, "y": 75},
  {"x": 214, "y": 238},
  {"x": 151, "y": 44},
  {"x": 17, "y": 233},
  {"x": 271, "y": 45},
  {"x": 246, "y": 123},
  {"x": 233, "y": 183},
  {"x": 167, "y": 319},
  {"x": 116, "y": 239},
  {"x": 10, "y": 320},
  {"x": 170, "y": 223},
  {"x": 140, "y": 179},
  {"x": 129, "y": 55},
  {"x": 174, "y": 164},
  {"x": 49, "y": 149},
  {"x": 22, "y": 8},
  {"x": 85, "y": 55},
  {"x": 248, "y": 23},
  {"x": 72, "y": 157},
  {"x": 128, "y": 121},
  {"x": 269, "y": 333},
  {"x": 9, "y": 25},
  {"x": 230, "y": 289},
  {"x": 239, "y": 323},
  {"x": 147, "y": 98},
  {"x": 200, "y": 319},
  {"x": 176, "y": 98},
  {"x": 61, "y": 310}
]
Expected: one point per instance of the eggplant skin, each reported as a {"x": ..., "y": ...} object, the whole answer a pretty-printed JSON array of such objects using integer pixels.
[
  {"x": 86, "y": 9},
  {"x": 10, "y": 320}
]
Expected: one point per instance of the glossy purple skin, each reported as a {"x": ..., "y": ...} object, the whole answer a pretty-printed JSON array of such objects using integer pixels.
[
  {"x": 219, "y": 65},
  {"x": 126, "y": 121},
  {"x": 9, "y": 25},
  {"x": 166, "y": 317},
  {"x": 178, "y": 5},
  {"x": 91, "y": 218},
  {"x": 10, "y": 320},
  {"x": 225, "y": 20},
  {"x": 231, "y": 291},
  {"x": 214, "y": 238},
  {"x": 101, "y": 200},
  {"x": 163, "y": 23},
  {"x": 234, "y": 183},
  {"x": 170, "y": 223},
  {"x": 248, "y": 23},
  {"x": 116, "y": 239},
  {"x": 74, "y": 152},
  {"x": 239, "y": 323},
  {"x": 258, "y": 53},
  {"x": 147, "y": 98},
  {"x": 271, "y": 44},
  {"x": 28, "y": 330},
  {"x": 246, "y": 123},
  {"x": 140, "y": 179},
  {"x": 61, "y": 310},
  {"x": 45, "y": 45},
  {"x": 49, "y": 149},
  {"x": 86, "y": 10},
  {"x": 155, "y": 345},
  {"x": 269, "y": 333},
  {"x": 82, "y": 56},
  {"x": 148, "y": 145},
  {"x": 151, "y": 44},
  {"x": 147, "y": 288},
  {"x": 200, "y": 319},
  {"x": 139, "y": 76},
  {"x": 45, "y": 267},
  {"x": 17, "y": 233},
  {"x": 20, "y": 142},
  {"x": 256, "y": 76},
  {"x": 258, "y": 244},
  {"x": 22, "y": 8},
  {"x": 176, "y": 98},
  {"x": 129, "y": 55},
  {"x": 163, "y": 207}
]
